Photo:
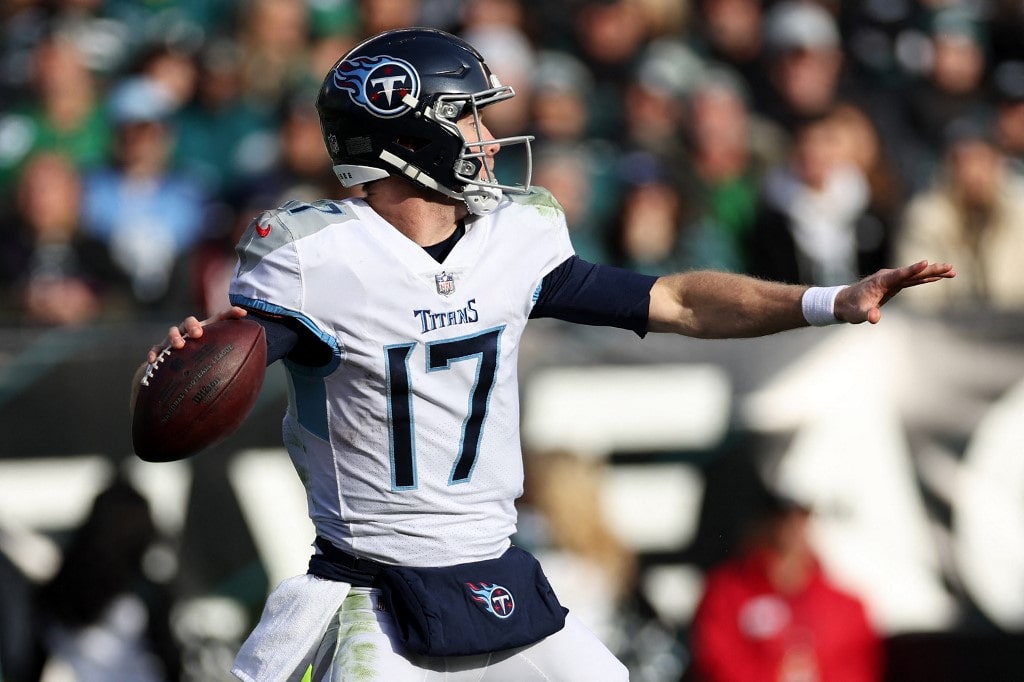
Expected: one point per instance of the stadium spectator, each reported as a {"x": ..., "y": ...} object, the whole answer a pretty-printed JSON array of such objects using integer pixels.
[
  {"x": 560, "y": 108},
  {"x": 654, "y": 232},
  {"x": 805, "y": 58},
  {"x": 644, "y": 231},
  {"x": 1008, "y": 79},
  {"x": 221, "y": 136},
  {"x": 654, "y": 110},
  {"x": 729, "y": 148},
  {"x": 772, "y": 613},
  {"x": 814, "y": 222},
  {"x": 101, "y": 618},
  {"x": 65, "y": 113},
  {"x": 577, "y": 168},
  {"x": 609, "y": 39},
  {"x": 654, "y": 101},
  {"x": 147, "y": 213},
  {"x": 172, "y": 66},
  {"x": 55, "y": 273},
  {"x": 861, "y": 144},
  {"x": 299, "y": 167},
  {"x": 730, "y": 33},
  {"x": 975, "y": 213},
  {"x": 273, "y": 36},
  {"x": 952, "y": 88},
  {"x": 566, "y": 524}
]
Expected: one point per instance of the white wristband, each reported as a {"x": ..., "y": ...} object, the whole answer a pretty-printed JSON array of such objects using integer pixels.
[{"x": 819, "y": 305}]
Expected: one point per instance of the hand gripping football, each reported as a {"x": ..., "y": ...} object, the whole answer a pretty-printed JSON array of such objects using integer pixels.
[{"x": 194, "y": 397}]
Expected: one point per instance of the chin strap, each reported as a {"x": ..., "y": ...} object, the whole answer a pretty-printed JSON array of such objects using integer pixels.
[{"x": 480, "y": 199}]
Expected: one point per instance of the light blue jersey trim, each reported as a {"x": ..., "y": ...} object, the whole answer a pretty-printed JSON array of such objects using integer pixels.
[
  {"x": 310, "y": 391},
  {"x": 310, "y": 395},
  {"x": 327, "y": 339}
]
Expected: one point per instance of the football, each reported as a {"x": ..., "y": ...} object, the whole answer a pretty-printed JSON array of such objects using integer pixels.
[{"x": 192, "y": 398}]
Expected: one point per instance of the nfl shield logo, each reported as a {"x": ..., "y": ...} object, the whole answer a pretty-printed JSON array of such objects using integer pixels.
[{"x": 445, "y": 284}]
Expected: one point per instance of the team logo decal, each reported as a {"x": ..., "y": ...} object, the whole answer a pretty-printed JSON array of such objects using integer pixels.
[
  {"x": 445, "y": 284},
  {"x": 494, "y": 599},
  {"x": 378, "y": 84}
]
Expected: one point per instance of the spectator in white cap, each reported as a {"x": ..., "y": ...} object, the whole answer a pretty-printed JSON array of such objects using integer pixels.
[
  {"x": 147, "y": 214},
  {"x": 805, "y": 60},
  {"x": 560, "y": 107}
]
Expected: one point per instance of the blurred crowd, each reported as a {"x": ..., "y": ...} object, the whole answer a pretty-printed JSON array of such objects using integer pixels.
[{"x": 803, "y": 141}]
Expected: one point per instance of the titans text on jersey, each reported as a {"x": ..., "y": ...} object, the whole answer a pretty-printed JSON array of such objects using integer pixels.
[{"x": 431, "y": 320}]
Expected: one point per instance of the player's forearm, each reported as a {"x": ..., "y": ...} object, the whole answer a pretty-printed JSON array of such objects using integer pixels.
[{"x": 718, "y": 305}]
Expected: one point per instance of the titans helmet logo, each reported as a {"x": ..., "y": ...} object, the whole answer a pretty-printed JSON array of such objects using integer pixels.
[
  {"x": 494, "y": 599},
  {"x": 378, "y": 84}
]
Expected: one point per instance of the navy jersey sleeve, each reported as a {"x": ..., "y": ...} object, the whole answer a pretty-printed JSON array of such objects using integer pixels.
[
  {"x": 287, "y": 338},
  {"x": 589, "y": 293}
]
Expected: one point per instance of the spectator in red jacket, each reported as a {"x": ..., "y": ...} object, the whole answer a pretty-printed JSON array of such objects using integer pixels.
[{"x": 771, "y": 614}]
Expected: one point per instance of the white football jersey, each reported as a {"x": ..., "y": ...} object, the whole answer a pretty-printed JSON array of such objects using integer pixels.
[{"x": 408, "y": 443}]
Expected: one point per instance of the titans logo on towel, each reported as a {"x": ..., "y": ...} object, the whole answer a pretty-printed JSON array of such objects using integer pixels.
[{"x": 494, "y": 599}]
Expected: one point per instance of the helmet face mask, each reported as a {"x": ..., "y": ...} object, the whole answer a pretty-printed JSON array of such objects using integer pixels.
[{"x": 392, "y": 106}]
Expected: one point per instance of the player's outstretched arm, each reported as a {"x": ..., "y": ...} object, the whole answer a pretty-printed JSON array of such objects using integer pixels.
[{"x": 718, "y": 305}]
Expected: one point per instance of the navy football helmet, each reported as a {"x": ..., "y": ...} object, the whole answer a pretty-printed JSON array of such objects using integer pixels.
[{"x": 390, "y": 106}]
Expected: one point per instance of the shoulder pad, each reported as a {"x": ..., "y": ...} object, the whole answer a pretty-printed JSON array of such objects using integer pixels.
[
  {"x": 540, "y": 199},
  {"x": 293, "y": 221}
]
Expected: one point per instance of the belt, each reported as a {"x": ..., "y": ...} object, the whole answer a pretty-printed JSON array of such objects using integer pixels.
[{"x": 336, "y": 564}]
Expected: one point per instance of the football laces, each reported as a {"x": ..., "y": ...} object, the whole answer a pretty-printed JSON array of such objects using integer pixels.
[{"x": 152, "y": 367}]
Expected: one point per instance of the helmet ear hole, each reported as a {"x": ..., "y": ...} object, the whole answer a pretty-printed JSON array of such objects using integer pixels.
[
  {"x": 451, "y": 111},
  {"x": 468, "y": 167}
]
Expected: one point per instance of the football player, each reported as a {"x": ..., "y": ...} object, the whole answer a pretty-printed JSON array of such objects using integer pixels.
[{"x": 398, "y": 316}]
